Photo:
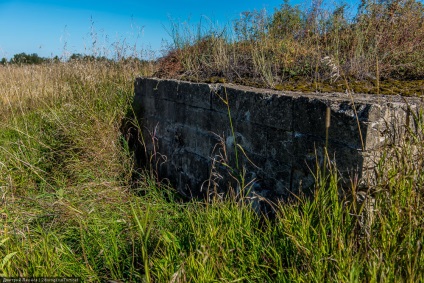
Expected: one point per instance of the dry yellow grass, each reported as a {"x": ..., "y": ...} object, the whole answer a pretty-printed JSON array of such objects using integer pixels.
[{"x": 25, "y": 87}]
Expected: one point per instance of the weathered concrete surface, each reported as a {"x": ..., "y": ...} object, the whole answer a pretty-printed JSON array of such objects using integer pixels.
[{"x": 279, "y": 136}]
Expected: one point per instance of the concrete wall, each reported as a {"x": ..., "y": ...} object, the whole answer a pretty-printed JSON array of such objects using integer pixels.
[{"x": 281, "y": 135}]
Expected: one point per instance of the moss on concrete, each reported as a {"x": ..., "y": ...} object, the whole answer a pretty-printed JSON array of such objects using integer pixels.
[{"x": 414, "y": 88}]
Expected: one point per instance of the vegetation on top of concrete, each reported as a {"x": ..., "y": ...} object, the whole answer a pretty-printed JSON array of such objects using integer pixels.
[{"x": 374, "y": 49}]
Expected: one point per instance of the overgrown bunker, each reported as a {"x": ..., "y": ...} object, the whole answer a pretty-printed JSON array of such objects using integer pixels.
[{"x": 203, "y": 138}]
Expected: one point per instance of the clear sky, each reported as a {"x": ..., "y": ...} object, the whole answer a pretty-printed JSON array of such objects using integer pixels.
[{"x": 50, "y": 28}]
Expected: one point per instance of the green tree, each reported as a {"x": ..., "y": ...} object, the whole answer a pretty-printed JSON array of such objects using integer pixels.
[
  {"x": 76, "y": 56},
  {"x": 23, "y": 58},
  {"x": 287, "y": 22}
]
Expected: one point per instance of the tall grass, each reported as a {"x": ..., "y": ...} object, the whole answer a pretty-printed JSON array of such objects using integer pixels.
[
  {"x": 63, "y": 174},
  {"x": 376, "y": 49},
  {"x": 69, "y": 207}
]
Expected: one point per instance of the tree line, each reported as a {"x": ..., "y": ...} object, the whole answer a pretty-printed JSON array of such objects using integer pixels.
[
  {"x": 35, "y": 59},
  {"x": 31, "y": 59}
]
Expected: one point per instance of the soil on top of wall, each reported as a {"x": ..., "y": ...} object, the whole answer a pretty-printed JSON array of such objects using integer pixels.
[
  {"x": 412, "y": 88},
  {"x": 169, "y": 67}
]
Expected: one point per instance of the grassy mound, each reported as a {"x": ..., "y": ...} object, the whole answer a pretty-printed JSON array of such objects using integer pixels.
[{"x": 378, "y": 50}]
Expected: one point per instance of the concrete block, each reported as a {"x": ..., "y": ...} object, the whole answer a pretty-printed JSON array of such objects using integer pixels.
[{"x": 279, "y": 137}]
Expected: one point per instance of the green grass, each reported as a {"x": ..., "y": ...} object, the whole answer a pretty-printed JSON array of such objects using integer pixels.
[{"x": 69, "y": 207}]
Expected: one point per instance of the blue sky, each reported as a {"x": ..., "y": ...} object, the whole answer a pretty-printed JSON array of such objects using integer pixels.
[{"x": 51, "y": 28}]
